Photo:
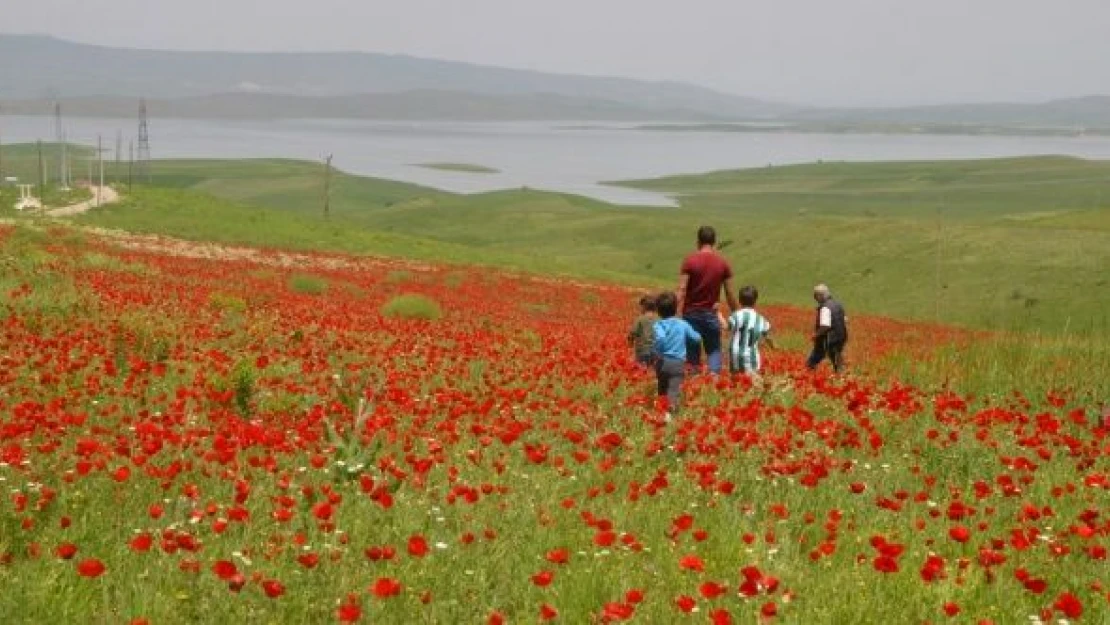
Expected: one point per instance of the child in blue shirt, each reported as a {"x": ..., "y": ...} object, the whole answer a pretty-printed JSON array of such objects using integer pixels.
[{"x": 671, "y": 336}]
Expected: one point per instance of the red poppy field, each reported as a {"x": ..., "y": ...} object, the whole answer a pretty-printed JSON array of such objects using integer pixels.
[{"x": 259, "y": 437}]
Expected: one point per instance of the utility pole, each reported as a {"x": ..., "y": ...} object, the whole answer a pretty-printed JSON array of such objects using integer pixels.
[
  {"x": 327, "y": 185},
  {"x": 130, "y": 163},
  {"x": 63, "y": 174},
  {"x": 41, "y": 172},
  {"x": 144, "y": 142},
  {"x": 60, "y": 139},
  {"x": 100, "y": 163}
]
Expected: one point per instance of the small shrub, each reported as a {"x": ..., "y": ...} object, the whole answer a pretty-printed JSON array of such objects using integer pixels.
[
  {"x": 242, "y": 380},
  {"x": 398, "y": 276},
  {"x": 307, "y": 285},
  {"x": 227, "y": 302},
  {"x": 412, "y": 306}
]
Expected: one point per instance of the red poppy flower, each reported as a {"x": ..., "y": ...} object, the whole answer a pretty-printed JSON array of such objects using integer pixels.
[
  {"x": 224, "y": 569},
  {"x": 686, "y": 603},
  {"x": 614, "y": 611},
  {"x": 605, "y": 538},
  {"x": 141, "y": 542},
  {"x": 1069, "y": 604},
  {"x": 885, "y": 564},
  {"x": 692, "y": 563},
  {"x": 712, "y": 590},
  {"x": 418, "y": 547},
  {"x": 273, "y": 588},
  {"x": 558, "y": 556},
  {"x": 547, "y": 612},
  {"x": 90, "y": 567},
  {"x": 323, "y": 511},
  {"x": 65, "y": 551},
  {"x": 348, "y": 613},
  {"x": 720, "y": 617},
  {"x": 959, "y": 534},
  {"x": 385, "y": 587},
  {"x": 1035, "y": 586},
  {"x": 543, "y": 578}
]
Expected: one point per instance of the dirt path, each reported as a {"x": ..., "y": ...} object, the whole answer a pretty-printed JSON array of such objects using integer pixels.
[{"x": 108, "y": 195}]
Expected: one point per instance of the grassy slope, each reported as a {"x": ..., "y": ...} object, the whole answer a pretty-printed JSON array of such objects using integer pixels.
[
  {"x": 1009, "y": 243},
  {"x": 1020, "y": 242}
]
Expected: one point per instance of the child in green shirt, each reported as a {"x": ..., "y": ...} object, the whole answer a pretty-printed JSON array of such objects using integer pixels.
[{"x": 642, "y": 337}]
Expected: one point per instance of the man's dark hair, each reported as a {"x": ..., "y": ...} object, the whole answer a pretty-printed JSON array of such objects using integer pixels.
[
  {"x": 666, "y": 304},
  {"x": 749, "y": 295},
  {"x": 647, "y": 303},
  {"x": 707, "y": 236}
]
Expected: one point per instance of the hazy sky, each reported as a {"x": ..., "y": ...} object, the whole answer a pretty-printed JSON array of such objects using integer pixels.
[{"x": 802, "y": 51}]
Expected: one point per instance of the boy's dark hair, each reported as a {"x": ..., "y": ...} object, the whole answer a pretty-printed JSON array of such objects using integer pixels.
[
  {"x": 748, "y": 295},
  {"x": 707, "y": 236},
  {"x": 666, "y": 304},
  {"x": 647, "y": 302}
]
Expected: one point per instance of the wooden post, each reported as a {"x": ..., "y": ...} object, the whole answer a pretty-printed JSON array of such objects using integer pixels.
[
  {"x": 130, "y": 163},
  {"x": 327, "y": 185}
]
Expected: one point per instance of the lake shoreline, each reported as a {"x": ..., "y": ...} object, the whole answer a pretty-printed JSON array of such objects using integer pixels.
[{"x": 543, "y": 156}]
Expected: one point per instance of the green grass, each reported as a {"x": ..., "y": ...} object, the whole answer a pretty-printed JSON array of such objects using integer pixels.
[
  {"x": 1006, "y": 244},
  {"x": 307, "y": 284},
  {"x": 21, "y": 160},
  {"x": 465, "y": 168},
  {"x": 412, "y": 306}
]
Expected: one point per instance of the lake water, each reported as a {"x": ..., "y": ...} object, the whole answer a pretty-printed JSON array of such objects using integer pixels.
[{"x": 572, "y": 158}]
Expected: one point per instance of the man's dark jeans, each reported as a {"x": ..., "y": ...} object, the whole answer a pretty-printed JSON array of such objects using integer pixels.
[
  {"x": 822, "y": 349},
  {"x": 705, "y": 323}
]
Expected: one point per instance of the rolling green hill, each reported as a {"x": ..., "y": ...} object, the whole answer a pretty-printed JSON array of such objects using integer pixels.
[{"x": 1009, "y": 243}]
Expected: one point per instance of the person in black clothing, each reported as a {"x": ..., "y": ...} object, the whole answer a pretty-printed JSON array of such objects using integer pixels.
[{"x": 830, "y": 330}]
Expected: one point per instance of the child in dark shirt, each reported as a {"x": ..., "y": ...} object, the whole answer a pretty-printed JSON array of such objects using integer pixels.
[{"x": 642, "y": 335}]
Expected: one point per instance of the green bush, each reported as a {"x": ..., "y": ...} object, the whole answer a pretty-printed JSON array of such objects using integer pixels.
[
  {"x": 412, "y": 306},
  {"x": 307, "y": 285},
  {"x": 227, "y": 302}
]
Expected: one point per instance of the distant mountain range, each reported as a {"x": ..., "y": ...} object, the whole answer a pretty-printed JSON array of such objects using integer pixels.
[
  {"x": 37, "y": 67},
  {"x": 36, "y": 71}
]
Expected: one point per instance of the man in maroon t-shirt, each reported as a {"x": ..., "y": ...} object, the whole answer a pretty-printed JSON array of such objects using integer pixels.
[{"x": 703, "y": 273}]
